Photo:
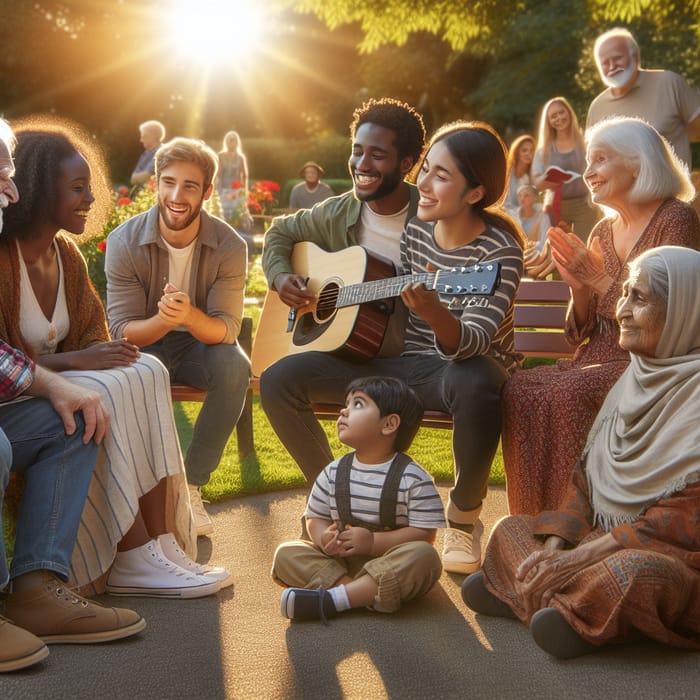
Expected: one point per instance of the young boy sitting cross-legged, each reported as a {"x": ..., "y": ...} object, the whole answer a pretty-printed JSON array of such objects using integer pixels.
[{"x": 371, "y": 515}]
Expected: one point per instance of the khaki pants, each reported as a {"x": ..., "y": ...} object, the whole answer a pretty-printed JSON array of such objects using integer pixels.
[{"x": 402, "y": 573}]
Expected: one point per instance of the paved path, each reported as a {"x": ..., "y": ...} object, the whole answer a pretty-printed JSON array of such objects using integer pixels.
[{"x": 237, "y": 645}]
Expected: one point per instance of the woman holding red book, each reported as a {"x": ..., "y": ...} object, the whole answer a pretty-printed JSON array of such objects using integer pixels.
[{"x": 561, "y": 151}]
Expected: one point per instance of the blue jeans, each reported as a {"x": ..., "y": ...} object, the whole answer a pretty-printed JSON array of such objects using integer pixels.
[
  {"x": 57, "y": 470},
  {"x": 224, "y": 372},
  {"x": 469, "y": 390}
]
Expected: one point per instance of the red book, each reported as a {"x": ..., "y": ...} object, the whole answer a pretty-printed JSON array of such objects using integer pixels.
[{"x": 556, "y": 174}]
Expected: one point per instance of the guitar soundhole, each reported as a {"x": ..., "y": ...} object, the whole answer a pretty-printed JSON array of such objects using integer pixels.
[{"x": 327, "y": 298}]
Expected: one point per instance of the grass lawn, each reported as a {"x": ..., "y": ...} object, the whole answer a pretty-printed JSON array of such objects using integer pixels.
[{"x": 272, "y": 468}]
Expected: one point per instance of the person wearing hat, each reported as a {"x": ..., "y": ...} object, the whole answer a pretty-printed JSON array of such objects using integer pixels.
[{"x": 305, "y": 194}]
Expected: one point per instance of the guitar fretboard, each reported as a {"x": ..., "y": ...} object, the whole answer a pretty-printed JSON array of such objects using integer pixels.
[{"x": 382, "y": 289}]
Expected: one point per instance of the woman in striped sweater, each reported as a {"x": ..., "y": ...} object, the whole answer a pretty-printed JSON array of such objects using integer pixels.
[{"x": 459, "y": 351}]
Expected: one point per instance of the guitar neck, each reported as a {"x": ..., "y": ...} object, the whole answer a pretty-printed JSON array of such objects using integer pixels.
[{"x": 381, "y": 289}]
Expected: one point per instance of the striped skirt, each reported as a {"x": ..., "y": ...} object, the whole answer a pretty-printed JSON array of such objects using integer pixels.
[{"x": 141, "y": 449}]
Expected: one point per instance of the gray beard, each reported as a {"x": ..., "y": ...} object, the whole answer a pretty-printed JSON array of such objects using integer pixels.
[{"x": 620, "y": 80}]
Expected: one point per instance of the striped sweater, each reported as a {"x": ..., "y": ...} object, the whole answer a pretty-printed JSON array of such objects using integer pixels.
[
  {"x": 418, "y": 501},
  {"x": 487, "y": 322}
]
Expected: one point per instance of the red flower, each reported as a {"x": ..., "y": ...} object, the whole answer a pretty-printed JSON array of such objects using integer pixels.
[
  {"x": 123, "y": 190},
  {"x": 269, "y": 185},
  {"x": 102, "y": 246},
  {"x": 235, "y": 185},
  {"x": 123, "y": 201}
]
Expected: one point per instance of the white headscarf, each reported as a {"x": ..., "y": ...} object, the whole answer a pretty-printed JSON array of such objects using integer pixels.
[{"x": 645, "y": 442}]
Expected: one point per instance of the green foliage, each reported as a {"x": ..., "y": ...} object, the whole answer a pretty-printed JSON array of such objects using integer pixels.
[
  {"x": 281, "y": 159},
  {"x": 256, "y": 285},
  {"x": 632, "y": 10},
  {"x": 536, "y": 60},
  {"x": 123, "y": 208},
  {"x": 457, "y": 22}
]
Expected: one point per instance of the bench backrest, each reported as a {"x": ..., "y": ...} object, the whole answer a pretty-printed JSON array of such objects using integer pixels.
[{"x": 539, "y": 315}]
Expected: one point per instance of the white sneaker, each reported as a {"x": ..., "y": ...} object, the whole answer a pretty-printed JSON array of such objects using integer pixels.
[
  {"x": 146, "y": 571},
  {"x": 202, "y": 521},
  {"x": 461, "y": 551},
  {"x": 172, "y": 551}
]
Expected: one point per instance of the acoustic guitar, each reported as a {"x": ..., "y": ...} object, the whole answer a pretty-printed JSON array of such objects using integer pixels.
[{"x": 350, "y": 314}]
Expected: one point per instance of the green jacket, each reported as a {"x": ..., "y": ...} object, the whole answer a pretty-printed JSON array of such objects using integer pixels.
[{"x": 331, "y": 225}]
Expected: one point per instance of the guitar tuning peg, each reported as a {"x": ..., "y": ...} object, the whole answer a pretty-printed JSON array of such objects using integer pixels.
[{"x": 448, "y": 289}]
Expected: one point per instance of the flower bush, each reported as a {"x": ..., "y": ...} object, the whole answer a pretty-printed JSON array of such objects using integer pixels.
[
  {"x": 123, "y": 209},
  {"x": 263, "y": 196},
  {"x": 238, "y": 209}
]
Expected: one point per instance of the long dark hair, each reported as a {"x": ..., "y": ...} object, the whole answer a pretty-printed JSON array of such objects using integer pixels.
[{"x": 481, "y": 157}]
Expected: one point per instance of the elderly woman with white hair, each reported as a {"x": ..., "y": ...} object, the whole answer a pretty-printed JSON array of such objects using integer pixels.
[
  {"x": 548, "y": 410},
  {"x": 620, "y": 559}
]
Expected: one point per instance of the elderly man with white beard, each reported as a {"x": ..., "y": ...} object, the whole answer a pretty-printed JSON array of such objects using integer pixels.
[{"x": 661, "y": 97}]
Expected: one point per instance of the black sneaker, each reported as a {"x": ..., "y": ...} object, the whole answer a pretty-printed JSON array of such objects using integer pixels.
[
  {"x": 552, "y": 632},
  {"x": 481, "y": 600},
  {"x": 305, "y": 604}
]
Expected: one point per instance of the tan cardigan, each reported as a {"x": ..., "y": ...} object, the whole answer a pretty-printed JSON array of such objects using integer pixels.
[{"x": 88, "y": 323}]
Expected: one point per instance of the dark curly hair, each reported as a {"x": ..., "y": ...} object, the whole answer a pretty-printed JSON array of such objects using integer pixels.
[
  {"x": 393, "y": 396},
  {"x": 401, "y": 118},
  {"x": 43, "y": 143}
]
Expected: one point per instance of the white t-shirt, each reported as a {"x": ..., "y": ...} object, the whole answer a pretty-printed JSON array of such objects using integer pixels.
[
  {"x": 180, "y": 268},
  {"x": 381, "y": 233}
]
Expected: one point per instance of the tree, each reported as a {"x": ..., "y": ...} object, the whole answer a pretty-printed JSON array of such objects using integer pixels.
[
  {"x": 462, "y": 23},
  {"x": 111, "y": 65}
]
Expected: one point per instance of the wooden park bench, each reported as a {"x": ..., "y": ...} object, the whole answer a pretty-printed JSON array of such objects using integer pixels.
[{"x": 540, "y": 310}]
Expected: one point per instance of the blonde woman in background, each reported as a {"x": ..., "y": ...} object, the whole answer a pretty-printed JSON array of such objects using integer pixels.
[
  {"x": 560, "y": 143},
  {"x": 232, "y": 182}
]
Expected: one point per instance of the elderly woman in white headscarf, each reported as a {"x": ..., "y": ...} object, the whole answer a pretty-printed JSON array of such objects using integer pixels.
[{"x": 620, "y": 559}]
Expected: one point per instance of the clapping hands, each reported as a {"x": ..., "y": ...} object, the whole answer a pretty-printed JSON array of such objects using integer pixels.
[{"x": 578, "y": 265}]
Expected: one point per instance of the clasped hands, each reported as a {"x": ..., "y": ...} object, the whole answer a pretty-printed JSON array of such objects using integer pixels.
[
  {"x": 350, "y": 542},
  {"x": 174, "y": 306}
]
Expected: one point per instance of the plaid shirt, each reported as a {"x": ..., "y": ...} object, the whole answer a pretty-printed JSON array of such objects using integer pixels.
[{"x": 16, "y": 372}]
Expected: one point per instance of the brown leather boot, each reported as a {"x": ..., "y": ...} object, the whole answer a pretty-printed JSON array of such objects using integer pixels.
[
  {"x": 56, "y": 614},
  {"x": 19, "y": 648}
]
